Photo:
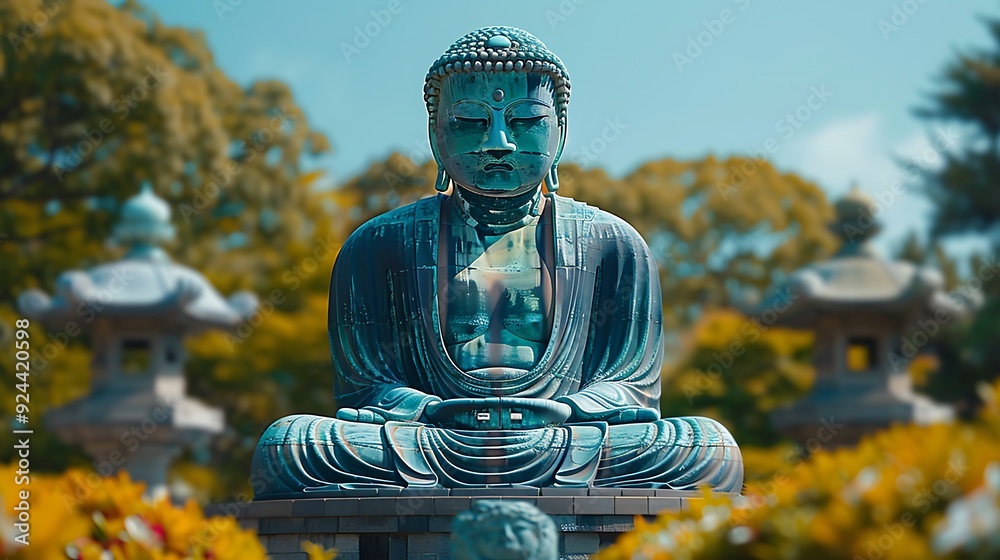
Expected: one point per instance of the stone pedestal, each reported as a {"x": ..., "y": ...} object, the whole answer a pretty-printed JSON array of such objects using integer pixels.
[{"x": 416, "y": 524}]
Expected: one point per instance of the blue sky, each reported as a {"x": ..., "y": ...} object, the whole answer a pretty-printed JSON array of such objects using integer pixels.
[{"x": 680, "y": 79}]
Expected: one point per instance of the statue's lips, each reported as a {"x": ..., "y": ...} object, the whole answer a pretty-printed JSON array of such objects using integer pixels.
[{"x": 498, "y": 166}]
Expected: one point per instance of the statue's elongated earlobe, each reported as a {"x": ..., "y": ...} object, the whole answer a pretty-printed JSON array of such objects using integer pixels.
[
  {"x": 441, "y": 184},
  {"x": 552, "y": 178}
]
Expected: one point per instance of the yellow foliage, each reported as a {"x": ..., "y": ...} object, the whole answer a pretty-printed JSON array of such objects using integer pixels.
[
  {"x": 93, "y": 518},
  {"x": 909, "y": 492},
  {"x": 317, "y": 552},
  {"x": 921, "y": 368},
  {"x": 715, "y": 226},
  {"x": 737, "y": 370}
]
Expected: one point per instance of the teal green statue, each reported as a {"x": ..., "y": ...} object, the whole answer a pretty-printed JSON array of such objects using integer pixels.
[{"x": 495, "y": 334}]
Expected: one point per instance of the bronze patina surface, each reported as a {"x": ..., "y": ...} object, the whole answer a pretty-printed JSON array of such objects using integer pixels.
[{"x": 495, "y": 334}]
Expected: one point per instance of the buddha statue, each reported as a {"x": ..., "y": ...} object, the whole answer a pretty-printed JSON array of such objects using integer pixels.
[{"x": 495, "y": 334}]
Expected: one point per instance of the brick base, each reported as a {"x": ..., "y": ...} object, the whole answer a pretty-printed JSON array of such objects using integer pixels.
[{"x": 416, "y": 524}]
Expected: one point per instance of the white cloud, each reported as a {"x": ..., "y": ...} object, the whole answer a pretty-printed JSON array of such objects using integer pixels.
[
  {"x": 856, "y": 150},
  {"x": 841, "y": 152}
]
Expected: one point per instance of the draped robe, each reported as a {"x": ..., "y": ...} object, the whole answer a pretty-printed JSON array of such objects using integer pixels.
[{"x": 603, "y": 356}]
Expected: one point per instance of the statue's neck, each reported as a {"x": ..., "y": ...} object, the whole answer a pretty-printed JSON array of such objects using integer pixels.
[{"x": 496, "y": 214}]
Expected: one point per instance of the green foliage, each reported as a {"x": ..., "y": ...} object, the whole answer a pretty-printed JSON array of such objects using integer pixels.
[
  {"x": 964, "y": 191},
  {"x": 97, "y": 100},
  {"x": 964, "y": 195}
]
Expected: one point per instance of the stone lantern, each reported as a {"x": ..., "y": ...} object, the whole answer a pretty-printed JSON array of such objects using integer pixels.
[
  {"x": 870, "y": 316},
  {"x": 137, "y": 312}
]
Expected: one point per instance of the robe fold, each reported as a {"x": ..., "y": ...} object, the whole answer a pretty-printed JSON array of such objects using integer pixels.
[{"x": 603, "y": 359}]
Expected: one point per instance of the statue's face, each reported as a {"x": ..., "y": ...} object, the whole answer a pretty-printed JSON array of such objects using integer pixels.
[
  {"x": 497, "y": 133},
  {"x": 504, "y": 538}
]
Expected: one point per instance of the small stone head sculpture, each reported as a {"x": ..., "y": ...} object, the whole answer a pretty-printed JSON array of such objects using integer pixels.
[
  {"x": 496, "y": 104},
  {"x": 504, "y": 530}
]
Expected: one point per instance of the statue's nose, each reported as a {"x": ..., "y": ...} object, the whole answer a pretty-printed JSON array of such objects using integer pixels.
[{"x": 497, "y": 145}]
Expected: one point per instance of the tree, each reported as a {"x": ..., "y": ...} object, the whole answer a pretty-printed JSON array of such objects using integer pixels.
[
  {"x": 722, "y": 230},
  {"x": 912, "y": 250},
  {"x": 99, "y": 99},
  {"x": 964, "y": 194},
  {"x": 737, "y": 371},
  {"x": 385, "y": 185},
  {"x": 964, "y": 190}
]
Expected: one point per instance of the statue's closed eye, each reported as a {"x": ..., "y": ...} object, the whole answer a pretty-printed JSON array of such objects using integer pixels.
[
  {"x": 526, "y": 122},
  {"x": 477, "y": 121}
]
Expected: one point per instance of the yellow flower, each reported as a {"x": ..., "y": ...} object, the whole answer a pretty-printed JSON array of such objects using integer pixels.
[
  {"x": 317, "y": 552},
  {"x": 99, "y": 518},
  {"x": 908, "y": 492}
]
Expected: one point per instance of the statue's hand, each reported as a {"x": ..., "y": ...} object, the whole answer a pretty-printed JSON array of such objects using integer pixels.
[
  {"x": 634, "y": 415},
  {"x": 616, "y": 415},
  {"x": 365, "y": 415},
  {"x": 496, "y": 413},
  {"x": 400, "y": 404}
]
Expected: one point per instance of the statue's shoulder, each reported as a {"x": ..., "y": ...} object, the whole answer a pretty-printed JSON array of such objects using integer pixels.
[
  {"x": 399, "y": 223},
  {"x": 567, "y": 208},
  {"x": 602, "y": 224}
]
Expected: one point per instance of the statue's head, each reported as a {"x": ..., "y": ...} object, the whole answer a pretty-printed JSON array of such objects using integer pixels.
[
  {"x": 504, "y": 530},
  {"x": 496, "y": 102}
]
